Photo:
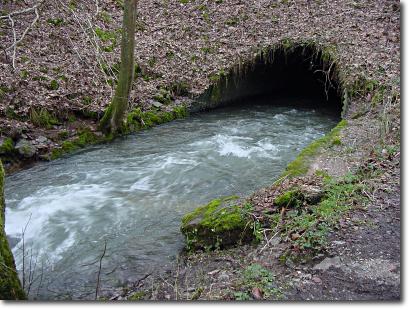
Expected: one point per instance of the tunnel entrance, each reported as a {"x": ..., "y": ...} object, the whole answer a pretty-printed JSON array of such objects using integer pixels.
[{"x": 304, "y": 74}]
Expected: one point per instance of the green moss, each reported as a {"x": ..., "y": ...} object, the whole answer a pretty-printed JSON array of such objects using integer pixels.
[
  {"x": 57, "y": 22},
  {"x": 313, "y": 225},
  {"x": 301, "y": 164},
  {"x": 53, "y": 85},
  {"x": 84, "y": 137},
  {"x": 219, "y": 223},
  {"x": 233, "y": 21},
  {"x": 291, "y": 198},
  {"x": 137, "y": 296},
  {"x": 7, "y": 147},
  {"x": 10, "y": 287},
  {"x": 137, "y": 119},
  {"x": 109, "y": 38}
]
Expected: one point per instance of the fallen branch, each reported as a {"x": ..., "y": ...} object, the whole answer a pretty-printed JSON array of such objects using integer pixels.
[
  {"x": 12, "y": 23},
  {"x": 99, "y": 270}
]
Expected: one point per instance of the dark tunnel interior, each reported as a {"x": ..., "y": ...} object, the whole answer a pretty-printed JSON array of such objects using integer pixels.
[{"x": 299, "y": 77}]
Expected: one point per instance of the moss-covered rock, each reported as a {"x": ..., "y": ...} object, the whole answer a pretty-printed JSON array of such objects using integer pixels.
[
  {"x": 302, "y": 162},
  {"x": 220, "y": 223},
  {"x": 83, "y": 138},
  {"x": 138, "y": 119},
  {"x": 290, "y": 199},
  {"x": 10, "y": 287},
  {"x": 298, "y": 196}
]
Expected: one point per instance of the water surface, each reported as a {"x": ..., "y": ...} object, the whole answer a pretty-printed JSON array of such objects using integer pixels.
[{"x": 132, "y": 193}]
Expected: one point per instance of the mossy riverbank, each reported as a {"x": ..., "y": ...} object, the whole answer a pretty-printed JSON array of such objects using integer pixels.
[{"x": 10, "y": 287}]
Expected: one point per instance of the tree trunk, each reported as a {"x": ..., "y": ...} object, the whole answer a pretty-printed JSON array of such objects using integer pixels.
[{"x": 113, "y": 119}]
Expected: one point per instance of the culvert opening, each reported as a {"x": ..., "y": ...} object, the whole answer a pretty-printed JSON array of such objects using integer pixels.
[{"x": 301, "y": 76}]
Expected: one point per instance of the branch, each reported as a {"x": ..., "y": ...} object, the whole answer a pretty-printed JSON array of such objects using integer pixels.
[
  {"x": 15, "y": 41},
  {"x": 25, "y": 31},
  {"x": 25, "y": 11},
  {"x": 99, "y": 270}
]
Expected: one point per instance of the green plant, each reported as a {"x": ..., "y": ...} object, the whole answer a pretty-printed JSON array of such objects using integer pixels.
[
  {"x": 105, "y": 16},
  {"x": 42, "y": 118},
  {"x": 110, "y": 37},
  {"x": 53, "y": 85},
  {"x": 7, "y": 147},
  {"x": 24, "y": 74},
  {"x": 72, "y": 4},
  {"x": 233, "y": 21},
  {"x": 308, "y": 228},
  {"x": 56, "y": 21},
  {"x": 257, "y": 276},
  {"x": 63, "y": 134}
]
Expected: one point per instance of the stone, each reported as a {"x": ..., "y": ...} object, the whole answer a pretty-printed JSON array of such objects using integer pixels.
[
  {"x": 223, "y": 277},
  {"x": 211, "y": 273},
  {"x": 41, "y": 139},
  {"x": 25, "y": 148},
  {"x": 257, "y": 293},
  {"x": 311, "y": 193},
  {"x": 327, "y": 263},
  {"x": 156, "y": 104},
  {"x": 295, "y": 236},
  {"x": 317, "y": 280},
  {"x": 219, "y": 224}
]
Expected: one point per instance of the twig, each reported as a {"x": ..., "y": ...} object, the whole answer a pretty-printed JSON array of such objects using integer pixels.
[
  {"x": 28, "y": 10},
  {"x": 14, "y": 44},
  {"x": 99, "y": 270},
  {"x": 23, "y": 232},
  {"x": 97, "y": 11}
]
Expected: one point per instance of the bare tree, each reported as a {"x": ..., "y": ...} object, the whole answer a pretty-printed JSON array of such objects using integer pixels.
[{"x": 113, "y": 119}]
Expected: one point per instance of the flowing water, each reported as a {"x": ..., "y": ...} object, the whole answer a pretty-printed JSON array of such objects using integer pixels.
[{"x": 130, "y": 195}]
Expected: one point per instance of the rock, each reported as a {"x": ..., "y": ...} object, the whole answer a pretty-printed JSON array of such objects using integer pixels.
[
  {"x": 295, "y": 236},
  {"x": 257, "y": 293},
  {"x": 211, "y": 273},
  {"x": 223, "y": 277},
  {"x": 41, "y": 139},
  {"x": 25, "y": 148},
  {"x": 312, "y": 193},
  {"x": 328, "y": 262},
  {"x": 218, "y": 224},
  {"x": 16, "y": 132},
  {"x": 317, "y": 280},
  {"x": 156, "y": 104}
]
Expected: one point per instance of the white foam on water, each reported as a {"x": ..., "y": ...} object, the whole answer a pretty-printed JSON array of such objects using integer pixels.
[
  {"x": 244, "y": 147},
  {"x": 65, "y": 206},
  {"x": 142, "y": 184},
  {"x": 280, "y": 117}
]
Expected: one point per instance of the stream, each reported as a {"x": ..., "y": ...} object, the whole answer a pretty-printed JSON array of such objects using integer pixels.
[{"x": 130, "y": 194}]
